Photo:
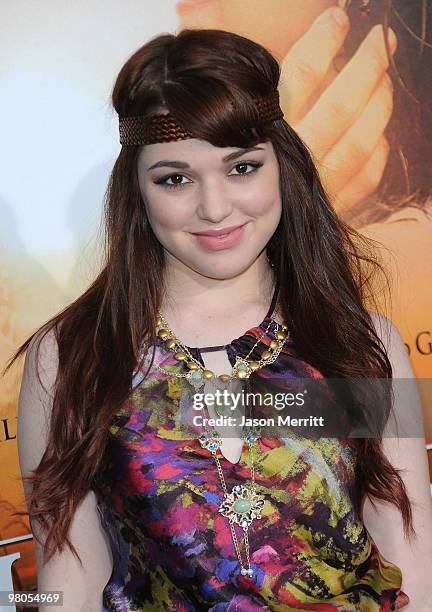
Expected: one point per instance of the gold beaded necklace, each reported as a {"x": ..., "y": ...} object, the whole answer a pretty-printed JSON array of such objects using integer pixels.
[{"x": 197, "y": 374}]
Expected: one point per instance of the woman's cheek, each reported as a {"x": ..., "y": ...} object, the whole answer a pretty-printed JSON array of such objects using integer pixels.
[
  {"x": 170, "y": 215},
  {"x": 263, "y": 197},
  {"x": 260, "y": 205}
]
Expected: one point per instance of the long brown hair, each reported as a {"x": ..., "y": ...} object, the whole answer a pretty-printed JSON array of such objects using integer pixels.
[{"x": 322, "y": 273}]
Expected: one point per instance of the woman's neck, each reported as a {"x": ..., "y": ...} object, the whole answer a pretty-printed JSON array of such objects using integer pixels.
[
  {"x": 204, "y": 312},
  {"x": 186, "y": 290}
]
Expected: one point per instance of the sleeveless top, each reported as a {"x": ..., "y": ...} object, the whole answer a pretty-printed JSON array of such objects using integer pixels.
[{"x": 158, "y": 494}]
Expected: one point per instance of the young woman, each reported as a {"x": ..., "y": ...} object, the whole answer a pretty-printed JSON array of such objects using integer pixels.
[{"x": 226, "y": 265}]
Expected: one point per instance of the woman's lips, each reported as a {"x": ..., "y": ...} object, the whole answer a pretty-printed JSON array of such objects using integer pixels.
[{"x": 218, "y": 243}]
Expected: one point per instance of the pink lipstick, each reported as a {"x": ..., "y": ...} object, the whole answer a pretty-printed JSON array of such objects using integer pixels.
[{"x": 217, "y": 240}]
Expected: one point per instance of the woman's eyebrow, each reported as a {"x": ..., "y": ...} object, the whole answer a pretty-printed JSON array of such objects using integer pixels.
[{"x": 184, "y": 165}]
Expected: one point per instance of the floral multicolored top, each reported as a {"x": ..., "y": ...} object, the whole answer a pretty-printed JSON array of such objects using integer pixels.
[{"x": 159, "y": 494}]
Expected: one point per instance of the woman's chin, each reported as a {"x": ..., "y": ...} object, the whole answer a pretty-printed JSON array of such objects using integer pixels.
[{"x": 222, "y": 271}]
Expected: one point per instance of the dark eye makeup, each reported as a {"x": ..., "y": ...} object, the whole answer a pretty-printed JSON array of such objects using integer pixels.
[{"x": 163, "y": 180}]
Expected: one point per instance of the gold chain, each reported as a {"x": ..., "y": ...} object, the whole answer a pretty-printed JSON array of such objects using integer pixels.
[
  {"x": 197, "y": 374},
  {"x": 212, "y": 441},
  {"x": 244, "y": 569}
]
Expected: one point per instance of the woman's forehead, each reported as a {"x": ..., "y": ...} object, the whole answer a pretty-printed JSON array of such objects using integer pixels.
[{"x": 190, "y": 148}]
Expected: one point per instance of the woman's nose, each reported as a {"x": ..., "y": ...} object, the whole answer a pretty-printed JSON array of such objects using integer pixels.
[{"x": 215, "y": 203}]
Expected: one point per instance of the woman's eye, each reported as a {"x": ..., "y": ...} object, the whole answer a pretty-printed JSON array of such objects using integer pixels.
[
  {"x": 175, "y": 184},
  {"x": 255, "y": 166},
  {"x": 163, "y": 181}
]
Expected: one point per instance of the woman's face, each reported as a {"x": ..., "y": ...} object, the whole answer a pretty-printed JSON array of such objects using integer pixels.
[{"x": 190, "y": 186}]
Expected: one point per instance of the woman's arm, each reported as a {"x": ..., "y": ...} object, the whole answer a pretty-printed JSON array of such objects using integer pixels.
[
  {"x": 408, "y": 454},
  {"x": 82, "y": 587}
]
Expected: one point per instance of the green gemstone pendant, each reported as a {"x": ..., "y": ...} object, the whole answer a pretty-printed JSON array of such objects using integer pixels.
[{"x": 242, "y": 506}]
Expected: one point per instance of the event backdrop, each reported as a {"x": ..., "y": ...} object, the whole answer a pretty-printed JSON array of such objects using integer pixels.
[{"x": 60, "y": 139}]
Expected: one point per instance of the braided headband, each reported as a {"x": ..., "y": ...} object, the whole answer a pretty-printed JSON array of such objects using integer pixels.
[{"x": 161, "y": 127}]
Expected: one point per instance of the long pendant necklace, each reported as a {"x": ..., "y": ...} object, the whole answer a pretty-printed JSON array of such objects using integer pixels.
[{"x": 244, "y": 503}]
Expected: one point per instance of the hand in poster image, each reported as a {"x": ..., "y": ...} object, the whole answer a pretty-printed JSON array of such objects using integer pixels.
[
  {"x": 363, "y": 108},
  {"x": 340, "y": 115},
  {"x": 357, "y": 103}
]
